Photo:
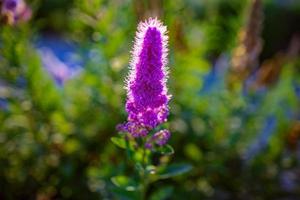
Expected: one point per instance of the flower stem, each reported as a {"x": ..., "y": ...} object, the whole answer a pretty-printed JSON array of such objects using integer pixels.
[
  {"x": 144, "y": 173},
  {"x": 144, "y": 188}
]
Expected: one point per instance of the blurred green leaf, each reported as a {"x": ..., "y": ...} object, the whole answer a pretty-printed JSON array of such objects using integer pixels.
[
  {"x": 139, "y": 167},
  {"x": 166, "y": 150},
  {"x": 120, "y": 142},
  {"x": 124, "y": 194},
  {"x": 173, "y": 170},
  {"x": 192, "y": 151},
  {"x": 125, "y": 182},
  {"x": 150, "y": 169},
  {"x": 162, "y": 193}
]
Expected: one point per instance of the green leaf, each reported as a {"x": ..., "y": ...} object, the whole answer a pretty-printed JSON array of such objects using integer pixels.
[
  {"x": 150, "y": 169},
  {"x": 162, "y": 193},
  {"x": 125, "y": 183},
  {"x": 120, "y": 142},
  {"x": 122, "y": 194},
  {"x": 173, "y": 170},
  {"x": 139, "y": 167},
  {"x": 166, "y": 150},
  {"x": 193, "y": 152}
]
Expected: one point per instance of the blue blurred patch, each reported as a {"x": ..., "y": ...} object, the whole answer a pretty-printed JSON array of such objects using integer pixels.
[
  {"x": 262, "y": 138},
  {"x": 214, "y": 80},
  {"x": 60, "y": 57},
  {"x": 3, "y": 104}
]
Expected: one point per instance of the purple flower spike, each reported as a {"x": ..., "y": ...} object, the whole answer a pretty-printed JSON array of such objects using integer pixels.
[{"x": 147, "y": 95}]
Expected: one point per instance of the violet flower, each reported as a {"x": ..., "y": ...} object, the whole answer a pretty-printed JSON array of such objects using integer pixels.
[
  {"x": 147, "y": 94},
  {"x": 10, "y": 4},
  {"x": 15, "y": 11}
]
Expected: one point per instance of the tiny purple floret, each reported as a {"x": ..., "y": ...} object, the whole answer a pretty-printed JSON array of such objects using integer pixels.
[{"x": 160, "y": 138}]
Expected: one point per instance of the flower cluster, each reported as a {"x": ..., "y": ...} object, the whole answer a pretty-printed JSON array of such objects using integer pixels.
[
  {"x": 147, "y": 95},
  {"x": 14, "y": 11},
  {"x": 160, "y": 138}
]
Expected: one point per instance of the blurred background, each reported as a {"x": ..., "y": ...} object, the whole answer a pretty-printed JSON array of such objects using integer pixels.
[{"x": 235, "y": 111}]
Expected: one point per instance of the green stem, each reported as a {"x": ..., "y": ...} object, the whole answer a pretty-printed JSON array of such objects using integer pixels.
[
  {"x": 144, "y": 174},
  {"x": 128, "y": 153},
  {"x": 144, "y": 187}
]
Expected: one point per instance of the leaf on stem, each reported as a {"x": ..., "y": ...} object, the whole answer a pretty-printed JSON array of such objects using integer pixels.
[
  {"x": 166, "y": 150},
  {"x": 125, "y": 183},
  {"x": 120, "y": 142},
  {"x": 123, "y": 194},
  {"x": 163, "y": 193},
  {"x": 173, "y": 170}
]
